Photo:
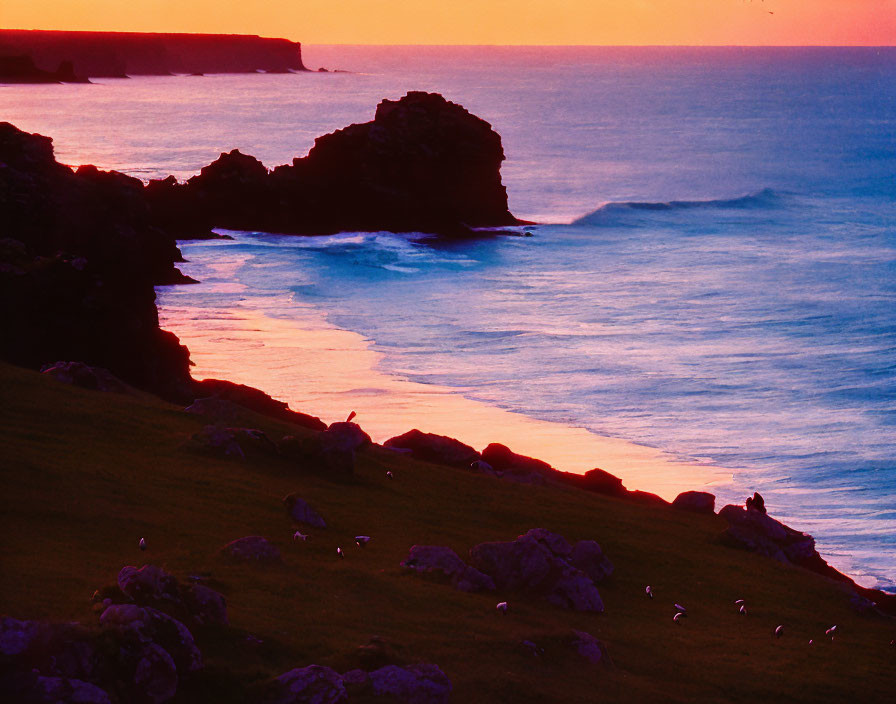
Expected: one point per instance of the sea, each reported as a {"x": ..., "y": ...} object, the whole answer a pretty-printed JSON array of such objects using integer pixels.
[{"x": 707, "y": 298}]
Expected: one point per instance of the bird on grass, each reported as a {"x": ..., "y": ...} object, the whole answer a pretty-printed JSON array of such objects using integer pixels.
[
  {"x": 681, "y": 608},
  {"x": 142, "y": 543},
  {"x": 298, "y": 535},
  {"x": 389, "y": 475},
  {"x": 340, "y": 553},
  {"x": 362, "y": 540},
  {"x": 648, "y": 591},
  {"x": 742, "y": 610},
  {"x": 502, "y": 607},
  {"x": 739, "y": 602},
  {"x": 779, "y": 630},
  {"x": 677, "y": 617},
  {"x": 831, "y": 631}
]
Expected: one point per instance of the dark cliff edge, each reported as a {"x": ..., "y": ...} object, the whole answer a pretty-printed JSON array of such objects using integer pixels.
[
  {"x": 21, "y": 69},
  {"x": 120, "y": 54}
]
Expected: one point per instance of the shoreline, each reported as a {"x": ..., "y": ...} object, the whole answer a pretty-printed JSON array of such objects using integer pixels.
[{"x": 328, "y": 371}]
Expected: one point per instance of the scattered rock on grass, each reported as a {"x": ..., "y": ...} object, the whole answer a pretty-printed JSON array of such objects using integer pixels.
[
  {"x": 252, "y": 548},
  {"x": 443, "y": 562}
]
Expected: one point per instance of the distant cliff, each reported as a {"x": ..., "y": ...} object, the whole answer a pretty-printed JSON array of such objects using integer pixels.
[{"x": 111, "y": 54}]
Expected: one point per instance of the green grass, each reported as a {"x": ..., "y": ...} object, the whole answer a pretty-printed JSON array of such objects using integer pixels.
[{"x": 86, "y": 474}]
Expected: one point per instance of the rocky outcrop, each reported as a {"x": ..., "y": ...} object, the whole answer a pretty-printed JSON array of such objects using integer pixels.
[
  {"x": 77, "y": 269},
  {"x": 314, "y": 684},
  {"x": 208, "y": 391},
  {"x": 758, "y": 532},
  {"x": 87, "y": 377},
  {"x": 510, "y": 465},
  {"x": 301, "y": 512},
  {"x": 138, "y": 655},
  {"x": 588, "y": 647},
  {"x": 442, "y": 563},
  {"x": 414, "y": 684},
  {"x": 602, "y": 482},
  {"x": 423, "y": 164},
  {"x": 695, "y": 502},
  {"x": 438, "y": 449},
  {"x": 238, "y": 443},
  {"x": 150, "y": 585},
  {"x": 540, "y": 563}
]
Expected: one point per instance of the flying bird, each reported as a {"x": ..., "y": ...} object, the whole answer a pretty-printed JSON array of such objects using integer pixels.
[
  {"x": 502, "y": 607},
  {"x": 779, "y": 630},
  {"x": 298, "y": 535},
  {"x": 142, "y": 543},
  {"x": 362, "y": 540},
  {"x": 350, "y": 416},
  {"x": 340, "y": 553},
  {"x": 648, "y": 591}
]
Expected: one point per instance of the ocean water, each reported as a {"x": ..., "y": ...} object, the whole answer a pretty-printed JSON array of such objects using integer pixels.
[{"x": 713, "y": 275}]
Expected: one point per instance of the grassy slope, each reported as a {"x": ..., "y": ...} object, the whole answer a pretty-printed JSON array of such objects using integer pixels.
[{"x": 85, "y": 474}]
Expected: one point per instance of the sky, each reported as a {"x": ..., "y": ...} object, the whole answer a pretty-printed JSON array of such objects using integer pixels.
[{"x": 573, "y": 22}]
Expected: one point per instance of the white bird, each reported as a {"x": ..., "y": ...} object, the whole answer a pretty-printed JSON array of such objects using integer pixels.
[
  {"x": 298, "y": 535},
  {"x": 742, "y": 610},
  {"x": 648, "y": 591},
  {"x": 811, "y": 642},
  {"x": 739, "y": 602},
  {"x": 142, "y": 543},
  {"x": 502, "y": 607},
  {"x": 681, "y": 608},
  {"x": 362, "y": 540},
  {"x": 677, "y": 617},
  {"x": 830, "y": 632},
  {"x": 389, "y": 475},
  {"x": 779, "y": 630},
  {"x": 340, "y": 553},
  {"x": 350, "y": 416}
]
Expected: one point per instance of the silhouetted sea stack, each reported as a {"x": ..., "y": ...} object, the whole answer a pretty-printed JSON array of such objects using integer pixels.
[
  {"x": 117, "y": 54},
  {"x": 423, "y": 164}
]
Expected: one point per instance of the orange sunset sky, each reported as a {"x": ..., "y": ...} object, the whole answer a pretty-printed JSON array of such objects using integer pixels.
[{"x": 688, "y": 22}]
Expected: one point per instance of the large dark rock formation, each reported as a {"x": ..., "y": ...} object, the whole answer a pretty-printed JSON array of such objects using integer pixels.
[
  {"x": 116, "y": 54},
  {"x": 22, "y": 69},
  {"x": 78, "y": 263},
  {"x": 423, "y": 164}
]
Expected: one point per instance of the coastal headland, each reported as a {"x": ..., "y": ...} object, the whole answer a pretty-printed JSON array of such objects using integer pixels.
[
  {"x": 238, "y": 550},
  {"x": 122, "y": 54}
]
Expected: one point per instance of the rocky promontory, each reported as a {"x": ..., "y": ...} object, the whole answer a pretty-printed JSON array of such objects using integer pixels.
[
  {"x": 423, "y": 164},
  {"x": 120, "y": 54}
]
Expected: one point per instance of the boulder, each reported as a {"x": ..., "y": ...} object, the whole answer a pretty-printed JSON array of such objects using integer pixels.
[
  {"x": 63, "y": 690},
  {"x": 539, "y": 563},
  {"x": 301, "y": 512},
  {"x": 695, "y": 501},
  {"x": 149, "y": 625},
  {"x": 314, "y": 684},
  {"x": 345, "y": 436},
  {"x": 155, "y": 676},
  {"x": 438, "y": 449},
  {"x": 87, "y": 377},
  {"x": 253, "y": 549},
  {"x": 588, "y": 557},
  {"x": 415, "y": 684},
  {"x": 520, "y": 468},
  {"x": 589, "y": 647},
  {"x": 443, "y": 563}
]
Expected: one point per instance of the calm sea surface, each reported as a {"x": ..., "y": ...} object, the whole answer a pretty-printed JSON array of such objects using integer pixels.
[{"x": 714, "y": 275}]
